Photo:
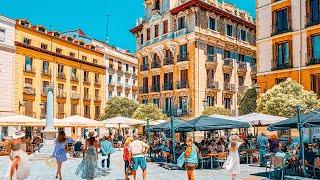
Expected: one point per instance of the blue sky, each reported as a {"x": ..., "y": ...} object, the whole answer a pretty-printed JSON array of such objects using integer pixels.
[{"x": 90, "y": 16}]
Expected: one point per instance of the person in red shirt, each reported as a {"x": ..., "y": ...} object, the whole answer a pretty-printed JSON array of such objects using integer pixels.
[{"x": 126, "y": 158}]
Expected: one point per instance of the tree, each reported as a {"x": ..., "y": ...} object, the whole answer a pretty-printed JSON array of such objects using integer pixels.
[
  {"x": 216, "y": 110},
  {"x": 149, "y": 111},
  {"x": 282, "y": 100},
  {"x": 248, "y": 101},
  {"x": 119, "y": 106}
]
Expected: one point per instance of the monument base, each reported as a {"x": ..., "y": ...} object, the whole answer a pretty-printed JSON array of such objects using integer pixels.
[{"x": 46, "y": 150}]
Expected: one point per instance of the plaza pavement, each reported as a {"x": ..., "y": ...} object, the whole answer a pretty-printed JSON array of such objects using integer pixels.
[{"x": 39, "y": 171}]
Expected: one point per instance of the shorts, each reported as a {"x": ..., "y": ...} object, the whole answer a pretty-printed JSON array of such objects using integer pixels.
[
  {"x": 139, "y": 161},
  {"x": 190, "y": 166}
]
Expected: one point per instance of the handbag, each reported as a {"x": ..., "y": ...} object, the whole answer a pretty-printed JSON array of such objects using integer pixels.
[{"x": 129, "y": 171}]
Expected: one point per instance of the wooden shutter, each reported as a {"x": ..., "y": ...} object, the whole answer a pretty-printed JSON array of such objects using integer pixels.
[
  {"x": 289, "y": 18},
  {"x": 290, "y": 53},
  {"x": 309, "y": 48},
  {"x": 274, "y": 54}
]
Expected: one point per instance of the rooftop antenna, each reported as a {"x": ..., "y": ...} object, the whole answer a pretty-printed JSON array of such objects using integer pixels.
[{"x": 107, "y": 29}]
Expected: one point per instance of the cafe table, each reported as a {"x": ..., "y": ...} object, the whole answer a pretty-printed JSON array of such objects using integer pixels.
[{"x": 211, "y": 156}]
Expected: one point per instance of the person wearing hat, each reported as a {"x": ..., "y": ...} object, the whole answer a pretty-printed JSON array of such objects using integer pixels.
[{"x": 20, "y": 165}]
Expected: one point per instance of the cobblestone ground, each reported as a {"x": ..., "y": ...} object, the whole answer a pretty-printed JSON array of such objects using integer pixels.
[{"x": 39, "y": 171}]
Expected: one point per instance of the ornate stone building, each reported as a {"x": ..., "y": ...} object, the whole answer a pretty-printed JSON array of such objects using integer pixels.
[{"x": 193, "y": 54}]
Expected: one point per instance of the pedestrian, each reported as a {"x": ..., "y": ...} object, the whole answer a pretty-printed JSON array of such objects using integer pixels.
[
  {"x": 127, "y": 160},
  {"x": 232, "y": 164},
  {"x": 191, "y": 158},
  {"x": 263, "y": 144},
  {"x": 106, "y": 150},
  {"x": 274, "y": 143},
  {"x": 120, "y": 139},
  {"x": 88, "y": 168},
  {"x": 137, "y": 151},
  {"x": 20, "y": 165},
  {"x": 59, "y": 152}
]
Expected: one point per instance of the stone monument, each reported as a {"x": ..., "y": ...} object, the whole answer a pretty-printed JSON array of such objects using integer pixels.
[{"x": 49, "y": 133}]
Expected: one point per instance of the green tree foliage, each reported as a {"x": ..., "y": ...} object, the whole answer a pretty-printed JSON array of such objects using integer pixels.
[
  {"x": 282, "y": 99},
  {"x": 216, "y": 110},
  {"x": 119, "y": 106},
  {"x": 248, "y": 101},
  {"x": 149, "y": 111}
]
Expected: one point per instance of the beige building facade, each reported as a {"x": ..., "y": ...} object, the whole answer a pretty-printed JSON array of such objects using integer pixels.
[
  {"x": 75, "y": 69},
  {"x": 193, "y": 54}
]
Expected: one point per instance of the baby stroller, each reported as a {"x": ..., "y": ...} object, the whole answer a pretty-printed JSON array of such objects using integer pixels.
[{"x": 77, "y": 150}]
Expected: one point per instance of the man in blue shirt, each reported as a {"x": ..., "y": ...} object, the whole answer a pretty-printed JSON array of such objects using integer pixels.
[
  {"x": 106, "y": 149},
  {"x": 263, "y": 143}
]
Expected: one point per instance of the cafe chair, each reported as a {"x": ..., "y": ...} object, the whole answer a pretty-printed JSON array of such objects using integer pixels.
[
  {"x": 204, "y": 161},
  {"x": 276, "y": 163},
  {"x": 222, "y": 157}
]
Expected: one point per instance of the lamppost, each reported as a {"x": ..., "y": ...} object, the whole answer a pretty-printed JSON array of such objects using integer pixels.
[{"x": 300, "y": 126}]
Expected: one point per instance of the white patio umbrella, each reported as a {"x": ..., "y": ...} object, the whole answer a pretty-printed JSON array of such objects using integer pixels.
[
  {"x": 256, "y": 119},
  {"x": 78, "y": 121},
  {"x": 119, "y": 120},
  {"x": 21, "y": 120}
]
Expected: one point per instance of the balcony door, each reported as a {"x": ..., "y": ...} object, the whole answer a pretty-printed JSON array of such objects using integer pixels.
[
  {"x": 168, "y": 105},
  {"x": 168, "y": 81},
  {"x": 315, "y": 83},
  {"x": 145, "y": 84},
  {"x": 156, "y": 83},
  {"x": 283, "y": 54},
  {"x": 315, "y": 10},
  {"x": 184, "y": 77},
  {"x": 28, "y": 108},
  {"x": 316, "y": 47},
  {"x": 282, "y": 20}
]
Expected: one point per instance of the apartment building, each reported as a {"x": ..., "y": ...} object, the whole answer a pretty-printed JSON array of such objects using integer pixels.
[
  {"x": 75, "y": 69},
  {"x": 288, "y": 42},
  {"x": 193, "y": 54},
  {"x": 7, "y": 53},
  {"x": 121, "y": 72}
]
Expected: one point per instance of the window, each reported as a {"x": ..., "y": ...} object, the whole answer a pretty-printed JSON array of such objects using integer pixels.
[
  {"x": 212, "y": 23},
  {"x": 141, "y": 38},
  {"x": 2, "y": 35},
  {"x": 119, "y": 80},
  {"x": 156, "y": 83},
  {"x": 45, "y": 67},
  {"x": 95, "y": 61},
  {"x": 119, "y": 66},
  {"x": 86, "y": 93},
  {"x": 227, "y": 54},
  {"x": 27, "y": 41},
  {"x": 183, "y": 79},
  {"x": 243, "y": 35},
  {"x": 73, "y": 109},
  {"x": 211, "y": 100},
  {"x": 96, "y": 78},
  {"x": 227, "y": 103},
  {"x": 118, "y": 93},
  {"x": 283, "y": 54},
  {"x": 86, "y": 76},
  {"x": 145, "y": 85},
  {"x": 28, "y": 64},
  {"x": 71, "y": 54},
  {"x": 314, "y": 11},
  {"x": 110, "y": 93},
  {"x": 210, "y": 50},
  {"x": 280, "y": 80},
  {"x": 315, "y": 83},
  {"x": 148, "y": 34},
  {"x": 60, "y": 110},
  {"x": 58, "y": 50},
  {"x": 28, "y": 108},
  {"x": 226, "y": 77},
  {"x": 241, "y": 80},
  {"x": 156, "y": 102},
  {"x": 241, "y": 57},
  {"x": 87, "y": 111},
  {"x": 157, "y": 5},
  {"x": 110, "y": 79},
  {"x": 315, "y": 48},
  {"x": 60, "y": 68},
  {"x": 168, "y": 81},
  {"x": 134, "y": 69},
  {"x": 84, "y": 58},
  {"x": 281, "y": 20},
  {"x": 183, "y": 51},
  {"x": 44, "y": 46},
  {"x": 97, "y": 112},
  {"x": 96, "y": 93},
  {"x": 73, "y": 73},
  {"x": 181, "y": 23},
  {"x": 229, "y": 30},
  {"x": 127, "y": 67},
  {"x": 156, "y": 30},
  {"x": 165, "y": 27}
]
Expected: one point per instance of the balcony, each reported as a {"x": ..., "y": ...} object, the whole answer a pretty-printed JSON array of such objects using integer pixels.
[
  {"x": 29, "y": 70},
  {"x": 86, "y": 98},
  {"x": 46, "y": 73},
  {"x": 61, "y": 95},
  {"x": 183, "y": 57},
  {"x": 211, "y": 61},
  {"x": 144, "y": 90},
  {"x": 111, "y": 68},
  {"x": 253, "y": 69},
  {"x": 229, "y": 87},
  {"x": 176, "y": 112},
  {"x": 213, "y": 85},
  {"x": 74, "y": 79},
  {"x": 155, "y": 88},
  {"x": 75, "y": 96},
  {"x": 280, "y": 30},
  {"x": 61, "y": 76},
  {"x": 97, "y": 99},
  {"x": 127, "y": 87},
  {"x": 60, "y": 115},
  {"x": 27, "y": 90},
  {"x": 44, "y": 92},
  {"x": 134, "y": 88},
  {"x": 242, "y": 67},
  {"x": 168, "y": 61},
  {"x": 97, "y": 83},
  {"x": 120, "y": 71},
  {"x": 242, "y": 88},
  {"x": 180, "y": 32},
  {"x": 281, "y": 66},
  {"x": 227, "y": 64},
  {"x": 111, "y": 84},
  {"x": 182, "y": 84},
  {"x": 144, "y": 67},
  {"x": 127, "y": 73},
  {"x": 312, "y": 20},
  {"x": 155, "y": 64},
  {"x": 86, "y": 81},
  {"x": 167, "y": 86}
]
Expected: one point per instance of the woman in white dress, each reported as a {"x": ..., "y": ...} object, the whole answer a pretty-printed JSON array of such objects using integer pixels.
[
  {"x": 19, "y": 159},
  {"x": 232, "y": 164}
]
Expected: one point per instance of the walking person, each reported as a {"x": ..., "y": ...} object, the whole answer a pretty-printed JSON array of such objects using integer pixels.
[
  {"x": 126, "y": 159},
  {"x": 20, "y": 165},
  {"x": 137, "y": 151},
  {"x": 263, "y": 144},
  {"x": 191, "y": 158},
  {"x": 106, "y": 150},
  {"x": 120, "y": 139},
  {"x": 232, "y": 164},
  {"x": 88, "y": 168},
  {"x": 59, "y": 152}
]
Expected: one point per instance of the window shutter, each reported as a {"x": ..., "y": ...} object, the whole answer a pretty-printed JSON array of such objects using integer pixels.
[
  {"x": 290, "y": 53},
  {"x": 274, "y": 52},
  {"x": 289, "y": 18},
  {"x": 309, "y": 48}
]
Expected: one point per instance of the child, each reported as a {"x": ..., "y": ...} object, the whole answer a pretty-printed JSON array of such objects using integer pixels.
[{"x": 232, "y": 163}]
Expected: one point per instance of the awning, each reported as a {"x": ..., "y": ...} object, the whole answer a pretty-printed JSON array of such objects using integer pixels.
[
  {"x": 217, "y": 122},
  {"x": 21, "y": 120},
  {"x": 311, "y": 119},
  {"x": 258, "y": 119},
  {"x": 179, "y": 126}
]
